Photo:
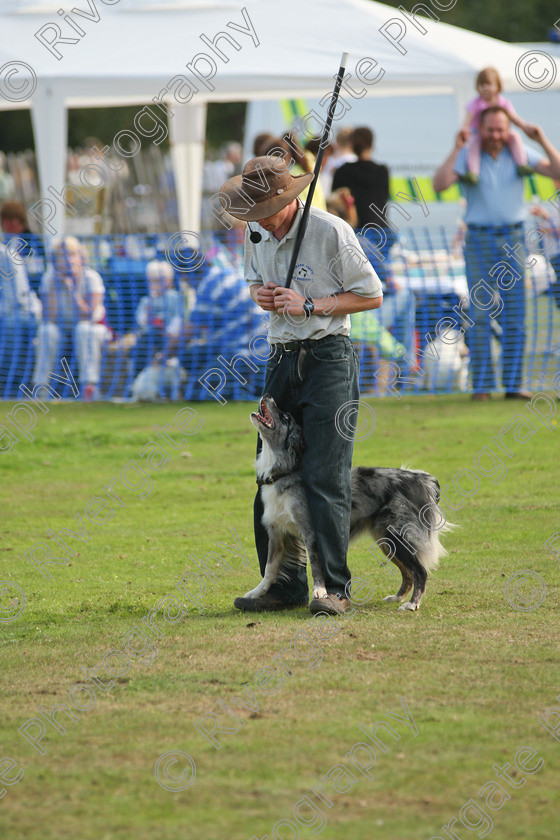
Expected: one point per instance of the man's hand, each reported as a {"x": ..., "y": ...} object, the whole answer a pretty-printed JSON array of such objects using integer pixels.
[
  {"x": 537, "y": 210},
  {"x": 549, "y": 166},
  {"x": 445, "y": 175},
  {"x": 264, "y": 296},
  {"x": 462, "y": 138},
  {"x": 288, "y": 301},
  {"x": 535, "y": 132}
]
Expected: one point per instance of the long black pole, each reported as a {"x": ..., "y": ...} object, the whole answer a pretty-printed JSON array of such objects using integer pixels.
[{"x": 324, "y": 140}]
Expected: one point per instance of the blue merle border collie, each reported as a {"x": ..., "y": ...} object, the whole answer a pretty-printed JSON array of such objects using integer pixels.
[{"x": 398, "y": 507}]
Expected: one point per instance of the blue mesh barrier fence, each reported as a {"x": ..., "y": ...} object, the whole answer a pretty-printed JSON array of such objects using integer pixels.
[{"x": 469, "y": 312}]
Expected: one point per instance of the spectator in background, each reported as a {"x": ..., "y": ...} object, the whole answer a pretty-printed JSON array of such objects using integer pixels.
[
  {"x": 260, "y": 142},
  {"x": 104, "y": 175},
  {"x": 224, "y": 318},
  {"x": 227, "y": 165},
  {"x": 16, "y": 232},
  {"x": 312, "y": 148},
  {"x": 20, "y": 311},
  {"x": 369, "y": 184},
  {"x": 13, "y": 218},
  {"x": 298, "y": 163},
  {"x": 214, "y": 174},
  {"x": 341, "y": 153},
  {"x": 548, "y": 223},
  {"x": 341, "y": 203},
  {"x": 7, "y": 183},
  {"x": 73, "y": 316},
  {"x": 159, "y": 316},
  {"x": 372, "y": 329},
  {"x": 494, "y": 216},
  {"x": 489, "y": 86}
]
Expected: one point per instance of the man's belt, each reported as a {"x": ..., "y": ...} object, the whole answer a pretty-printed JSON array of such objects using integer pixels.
[
  {"x": 304, "y": 343},
  {"x": 292, "y": 346}
]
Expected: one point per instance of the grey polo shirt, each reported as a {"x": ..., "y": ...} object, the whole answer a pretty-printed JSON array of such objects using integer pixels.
[{"x": 330, "y": 261}]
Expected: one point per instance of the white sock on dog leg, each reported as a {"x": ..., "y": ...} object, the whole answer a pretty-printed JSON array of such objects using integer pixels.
[{"x": 259, "y": 590}]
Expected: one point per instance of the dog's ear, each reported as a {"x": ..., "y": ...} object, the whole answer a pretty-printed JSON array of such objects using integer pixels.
[
  {"x": 294, "y": 437},
  {"x": 289, "y": 431}
]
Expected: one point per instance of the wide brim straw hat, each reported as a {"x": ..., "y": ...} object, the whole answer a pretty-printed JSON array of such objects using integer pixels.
[{"x": 264, "y": 187}]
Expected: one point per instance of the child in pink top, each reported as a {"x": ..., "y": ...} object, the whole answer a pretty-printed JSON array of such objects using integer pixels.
[{"x": 489, "y": 85}]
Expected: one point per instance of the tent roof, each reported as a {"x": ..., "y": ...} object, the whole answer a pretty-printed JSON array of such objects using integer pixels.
[{"x": 137, "y": 46}]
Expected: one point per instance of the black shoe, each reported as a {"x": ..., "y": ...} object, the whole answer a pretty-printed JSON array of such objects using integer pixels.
[{"x": 267, "y": 603}]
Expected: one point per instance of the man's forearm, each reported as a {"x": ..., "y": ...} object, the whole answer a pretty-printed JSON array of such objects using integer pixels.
[
  {"x": 347, "y": 303},
  {"x": 285, "y": 301},
  {"x": 554, "y": 157},
  {"x": 445, "y": 176}
]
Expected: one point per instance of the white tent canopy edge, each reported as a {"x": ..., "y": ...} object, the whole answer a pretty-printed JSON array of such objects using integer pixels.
[{"x": 135, "y": 46}]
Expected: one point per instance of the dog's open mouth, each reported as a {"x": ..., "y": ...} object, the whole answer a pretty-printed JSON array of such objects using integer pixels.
[{"x": 264, "y": 416}]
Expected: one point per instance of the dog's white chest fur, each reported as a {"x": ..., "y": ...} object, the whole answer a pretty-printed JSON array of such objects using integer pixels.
[{"x": 279, "y": 508}]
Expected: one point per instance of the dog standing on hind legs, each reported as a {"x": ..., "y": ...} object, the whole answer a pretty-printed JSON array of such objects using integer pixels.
[{"x": 399, "y": 508}]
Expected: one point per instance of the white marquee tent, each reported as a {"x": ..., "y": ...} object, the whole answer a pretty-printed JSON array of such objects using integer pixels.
[{"x": 55, "y": 56}]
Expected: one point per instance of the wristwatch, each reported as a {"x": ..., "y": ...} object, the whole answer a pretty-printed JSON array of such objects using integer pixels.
[{"x": 308, "y": 307}]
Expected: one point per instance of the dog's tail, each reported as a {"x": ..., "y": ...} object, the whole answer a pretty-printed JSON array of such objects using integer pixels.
[{"x": 434, "y": 523}]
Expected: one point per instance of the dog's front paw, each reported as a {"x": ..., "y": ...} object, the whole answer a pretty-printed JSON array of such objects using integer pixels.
[
  {"x": 319, "y": 592},
  {"x": 256, "y": 592},
  {"x": 409, "y": 606},
  {"x": 392, "y": 598}
]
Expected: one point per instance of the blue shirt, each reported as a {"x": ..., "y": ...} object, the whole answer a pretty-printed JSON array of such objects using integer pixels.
[
  {"x": 498, "y": 198},
  {"x": 167, "y": 308}
]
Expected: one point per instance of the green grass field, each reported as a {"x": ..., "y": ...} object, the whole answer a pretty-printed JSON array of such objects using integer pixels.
[{"x": 475, "y": 672}]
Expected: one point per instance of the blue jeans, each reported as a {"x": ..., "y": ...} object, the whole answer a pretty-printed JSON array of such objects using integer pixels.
[
  {"x": 485, "y": 253},
  {"x": 555, "y": 287},
  {"x": 326, "y": 381}
]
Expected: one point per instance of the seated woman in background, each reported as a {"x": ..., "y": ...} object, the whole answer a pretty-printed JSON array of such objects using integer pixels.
[
  {"x": 159, "y": 316},
  {"x": 73, "y": 316}
]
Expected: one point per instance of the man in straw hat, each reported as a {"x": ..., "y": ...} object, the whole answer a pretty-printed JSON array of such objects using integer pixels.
[{"x": 312, "y": 370}]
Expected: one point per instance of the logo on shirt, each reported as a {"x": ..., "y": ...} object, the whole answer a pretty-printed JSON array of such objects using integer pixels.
[{"x": 303, "y": 272}]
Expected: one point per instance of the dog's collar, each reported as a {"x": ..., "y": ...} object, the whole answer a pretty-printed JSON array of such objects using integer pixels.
[{"x": 272, "y": 478}]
